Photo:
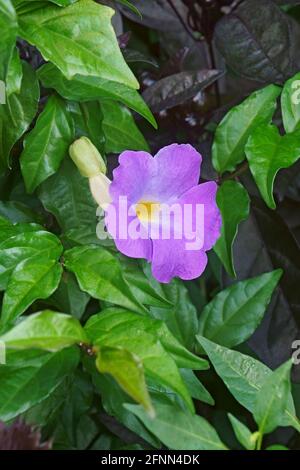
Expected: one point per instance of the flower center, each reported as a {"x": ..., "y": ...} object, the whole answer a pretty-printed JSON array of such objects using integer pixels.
[{"x": 147, "y": 211}]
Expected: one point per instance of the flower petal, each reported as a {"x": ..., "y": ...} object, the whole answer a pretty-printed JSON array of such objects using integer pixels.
[
  {"x": 178, "y": 169},
  {"x": 171, "y": 259}
]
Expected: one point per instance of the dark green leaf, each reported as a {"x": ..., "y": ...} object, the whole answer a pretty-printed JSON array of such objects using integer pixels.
[
  {"x": 88, "y": 119},
  {"x": 47, "y": 144},
  {"x": 17, "y": 114},
  {"x": 31, "y": 377},
  {"x": 68, "y": 297},
  {"x": 234, "y": 204},
  {"x": 290, "y": 104},
  {"x": 45, "y": 330},
  {"x": 14, "y": 74},
  {"x": 195, "y": 387},
  {"x": 235, "y": 313},
  {"x": 234, "y": 130},
  {"x": 242, "y": 433},
  {"x": 267, "y": 152},
  {"x": 9, "y": 29}
]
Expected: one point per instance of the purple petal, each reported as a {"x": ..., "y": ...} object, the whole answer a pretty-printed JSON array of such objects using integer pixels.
[
  {"x": 133, "y": 174},
  {"x": 206, "y": 194},
  {"x": 116, "y": 225},
  {"x": 171, "y": 259},
  {"x": 178, "y": 169}
]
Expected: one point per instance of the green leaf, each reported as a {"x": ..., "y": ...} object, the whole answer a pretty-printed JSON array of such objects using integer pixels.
[
  {"x": 99, "y": 273},
  {"x": 11, "y": 230},
  {"x": 277, "y": 447},
  {"x": 47, "y": 330},
  {"x": 270, "y": 413},
  {"x": 31, "y": 377},
  {"x": 234, "y": 204},
  {"x": 127, "y": 370},
  {"x": 67, "y": 196},
  {"x": 14, "y": 74},
  {"x": 47, "y": 144},
  {"x": 267, "y": 152},
  {"x": 178, "y": 430},
  {"x": 18, "y": 212},
  {"x": 121, "y": 132},
  {"x": 290, "y": 104},
  {"x": 68, "y": 297},
  {"x": 244, "y": 377},
  {"x": 89, "y": 49},
  {"x": 242, "y": 433},
  {"x": 82, "y": 88},
  {"x": 34, "y": 278},
  {"x": 146, "y": 293},
  {"x": 234, "y": 130},
  {"x": 195, "y": 387},
  {"x": 22, "y": 246},
  {"x": 9, "y": 29},
  {"x": 125, "y": 322},
  {"x": 181, "y": 318},
  {"x": 235, "y": 313},
  {"x": 88, "y": 119},
  {"x": 17, "y": 114},
  {"x": 145, "y": 338}
]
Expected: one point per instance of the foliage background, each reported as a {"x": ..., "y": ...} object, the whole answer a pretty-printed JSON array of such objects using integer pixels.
[{"x": 66, "y": 77}]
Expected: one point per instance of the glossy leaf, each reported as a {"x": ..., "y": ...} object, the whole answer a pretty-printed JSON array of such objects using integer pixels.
[
  {"x": 68, "y": 297},
  {"x": 244, "y": 377},
  {"x": 128, "y": 371},
  {"x": 32, "y": 377},
  {"x": 25, "y": 245},
  {"x": 14, "y": 74},
  {"x": 250, "y": 37},
  {"x": 234, "y": 204},
  {"x": 267, "y": 152},
  {"x": 34, "y": 278},
  {"x": 99, "y": 273},
  {"x": 17, "y": 114},
  {"x": 234, "y": 130},
  {"x": 270, "y": 413},
  {"x": 47, "y": 330},
  {"x": 9, "y": 29},
  {"x": 235, "y": 313},
  {"x": 47, "y": 144},
  {"x": 91, "y": 50},
  {"x": 121, "y": 132},
  {"x": 82, "y": 88},
  {"x": 179, "y": 430}
]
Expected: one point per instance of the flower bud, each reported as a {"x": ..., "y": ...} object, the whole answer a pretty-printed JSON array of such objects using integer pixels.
[{"x": 87, "y": 158}]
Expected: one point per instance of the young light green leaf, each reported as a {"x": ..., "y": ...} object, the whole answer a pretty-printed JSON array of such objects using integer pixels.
[
  {"x": 290, "y": 104},
  {"x": 33, "y": 278},
  {"x": 82, "y": 88},
  {"x": 242, "y": 433},
  {"x": 128, "y": 371},
  {"x": 121, "y": 132},
  {"x": 244, "y": 377},
  {"x": 234, "y": 204},
  {"x": 127, "y": 322},
  {"x": 268, "y": 152},
  {"x": 9, "y": 29},
  {"x": 195, "y": 387},
  {"x": 22, "y": 246},
  {"x": 47, "y": 330},
  {"x": 270, "y": 413},
  {"x": 99, "y": 274},
  {"x": 31, "y": 377},
  {"x": 139, "y": 335},
  {"x": 179, "y": 430},
  {"x": 235, "y": 313},
  {"x": 234, "y": 130},
  {"x": 17, "y": 114},
  {"x": 47, "y": 144},
  {"x": 91, "y": 49}
]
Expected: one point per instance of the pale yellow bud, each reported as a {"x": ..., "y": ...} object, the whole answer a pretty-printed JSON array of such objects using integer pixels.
[{"x": 87, "y": 158}]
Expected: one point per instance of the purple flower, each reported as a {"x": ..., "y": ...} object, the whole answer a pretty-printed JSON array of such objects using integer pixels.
[{"x": 150, "y": 185}]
